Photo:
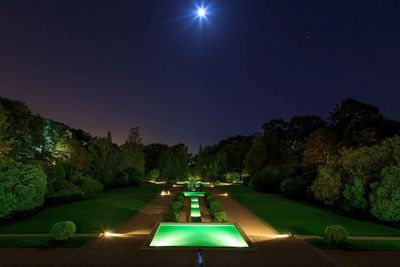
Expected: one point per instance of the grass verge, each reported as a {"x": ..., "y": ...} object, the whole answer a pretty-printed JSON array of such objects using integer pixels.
[
  {"x": 300, "y": 217},
  {"x": 108, "y": 211}
]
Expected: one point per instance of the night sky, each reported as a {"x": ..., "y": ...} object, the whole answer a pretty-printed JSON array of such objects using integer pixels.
[{"x": 112, "y": 65}]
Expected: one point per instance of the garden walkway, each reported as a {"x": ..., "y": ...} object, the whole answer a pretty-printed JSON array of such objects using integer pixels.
[{"x": 129, "y": 250}]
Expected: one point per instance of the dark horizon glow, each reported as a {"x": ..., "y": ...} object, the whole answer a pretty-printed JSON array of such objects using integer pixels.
[{"x": 100, "y": 66}]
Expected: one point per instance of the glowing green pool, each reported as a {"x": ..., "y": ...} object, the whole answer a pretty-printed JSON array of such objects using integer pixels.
[
  {"x": 193, "y": 194},
  {"x": 198, "y": 235},
  {"x": 194, "y": 205},
  {"x": 195, "y": 212}
]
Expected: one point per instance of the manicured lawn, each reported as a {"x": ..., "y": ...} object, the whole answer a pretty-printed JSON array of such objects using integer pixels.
[
  {"x": 299, "y": 217},
  {"x": 107, "y": 211}
]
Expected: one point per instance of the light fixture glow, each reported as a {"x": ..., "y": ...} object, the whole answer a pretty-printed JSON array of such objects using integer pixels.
[
  {"x": 108, "y": 234},
  {"x": 201, "y": 12}
]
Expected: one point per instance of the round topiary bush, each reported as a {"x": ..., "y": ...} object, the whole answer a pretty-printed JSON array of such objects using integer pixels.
[
  {"x": 336, "y": 234},
  {"x": 22, "y": 188},
  {"x": 62, "y": 231}
]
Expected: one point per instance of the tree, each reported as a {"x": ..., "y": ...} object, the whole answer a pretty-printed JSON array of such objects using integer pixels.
[
  {"x": 366, "y": 163},
  {"x": 152, "y": 154},
  {"x": 327, "y": 186},
  {"x": 220, "y": 164},
  {"x": 57, "y": 141},
  {"x": 256, "y": 158},
  {"x": 359, "y": 124},
  {"x": 154, "y": 175},
  {"x": 174, "y": 164},
  {"x": 320, "y": 147},
  {"x": 385, "y": 196},
  {"x": 235, "y": 149},
  {"x": 104, "y": 160},
  {"x": 353, "y": 196},
  {"x": 5, "y": 146},
  {"x": 22, "y": 187},
  {"x": 293, "y": 135},
  {"x": 300, "y": 129},
  {"x": 132, "y": 151},
  {"x": 24, "y": 130},
  {"x": 79, "y": 155}
]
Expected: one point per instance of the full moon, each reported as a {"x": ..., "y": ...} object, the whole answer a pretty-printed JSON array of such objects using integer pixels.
[{"x": 201, "y": 12}]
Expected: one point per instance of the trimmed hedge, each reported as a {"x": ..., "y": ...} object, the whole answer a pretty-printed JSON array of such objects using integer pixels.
[
  {"x": 209, "y": 200},
  {"x": 172, "y": 216},
  {"x": 176, "y": 205},
  {"x": 219, "y": 216},
  {"x": 216, "y": 206},
  {"x": 62, "y": 231},
  {"x": 180, "y": 198}
]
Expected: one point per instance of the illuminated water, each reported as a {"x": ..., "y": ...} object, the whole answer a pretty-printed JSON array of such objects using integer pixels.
[{"x": 198, "y": 235}]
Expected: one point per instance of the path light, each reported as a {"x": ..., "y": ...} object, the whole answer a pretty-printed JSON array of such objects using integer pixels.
[
  {"x": 225, "y": 194},
  {"x": 107, "y": 234}
]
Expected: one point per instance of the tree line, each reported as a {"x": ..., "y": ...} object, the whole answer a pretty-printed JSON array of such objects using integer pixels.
[
  {"x": 44, "y": 162},
  {"x": 349, "y": 162}
]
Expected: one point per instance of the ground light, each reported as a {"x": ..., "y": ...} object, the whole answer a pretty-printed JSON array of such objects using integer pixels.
[{"x": 108, "y": 234}]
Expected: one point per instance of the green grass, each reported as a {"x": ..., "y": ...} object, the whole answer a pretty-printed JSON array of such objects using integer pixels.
[
  {"x": 359, "y": 245},
  {"x": 299, "y": 217},
  {"x": 41, "y": 242},
  {"x": 108, "y": 211}
]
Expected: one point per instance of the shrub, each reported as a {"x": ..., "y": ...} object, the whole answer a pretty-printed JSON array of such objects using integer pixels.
[
  {"x": 219, "y": 216},
  {"x": 172, "y": 216},
  {"x": 353, "y": 196},
  {"x": 90, "y": 187},
  {"x": 216, "y": 206},
  {"x": 55, "y": 177},
  {"x": 327, "y": 186},
  {"x": 122, "y": 179},
  {"x": 62, "y": 231},
  {"x": 154, "y": 175},
  {"x": 269, "y": 179},
  {"x": 176, "y": 206},
  {"x": 180, "y": 198},
  {"x": 210, "y": 199},
  {"x": 69, "y": 193},
  {"x": 294, "y": 187},
  {"x": 385, "y": 196},
  {"x": 366, "y": 163},
  {"x": 135, "y": 176},
  {"x": 22, "y": 187},
  {"x": 232, "y": 177},
  {"x": 335, "y": 234}
]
